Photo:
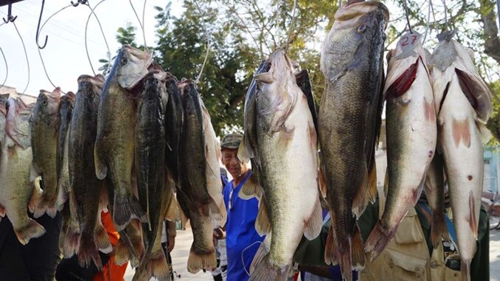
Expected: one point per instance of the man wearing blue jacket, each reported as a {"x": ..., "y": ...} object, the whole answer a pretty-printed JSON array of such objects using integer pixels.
[{"x": 242, "y": 240}]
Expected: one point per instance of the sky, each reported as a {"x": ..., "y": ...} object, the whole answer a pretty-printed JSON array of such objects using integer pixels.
[{"x": 64, "y": 55}]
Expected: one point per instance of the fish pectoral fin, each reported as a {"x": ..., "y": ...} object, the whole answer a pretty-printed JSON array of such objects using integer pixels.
[
  {"x": 484, "y": 133},
  {"x": 473, "y": 222},
  {"x": 314, "y": 224},
  {"x": 322, "y": 181},
  {"x": 262, "y": 223},
  {"x": 251, "y": 188}
]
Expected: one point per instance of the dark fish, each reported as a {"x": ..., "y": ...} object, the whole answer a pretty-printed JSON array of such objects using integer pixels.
[
  {"x": 114, "y": 145},
  {"x": 174, "y": 115},
  {"x": 349, "y": 119},
  {"x": 86, "y": 188}
]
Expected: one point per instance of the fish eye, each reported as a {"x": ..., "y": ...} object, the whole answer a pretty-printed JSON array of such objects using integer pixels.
[
  {"x": 124, "y": 61},
  {"x": 362, "y": 28},
  {"x": 44, "y": 102}
]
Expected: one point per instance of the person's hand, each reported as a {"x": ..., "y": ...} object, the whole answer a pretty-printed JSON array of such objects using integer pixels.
[{"x": 170, "y": 243}]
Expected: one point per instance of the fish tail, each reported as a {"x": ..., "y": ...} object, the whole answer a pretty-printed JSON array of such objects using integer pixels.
[
  {"x": 30, "y": 230},
  {"x": 153, "y": 266},
  {"x": 125, "y": 209},
  {"x": 438, "y": 229},
  {"x": 102, "y": 239},
  {"x": 121, "y": 251},
  {"x": 198, "y": 260},
  {"x": 465, "y": 270},
  {"x": 345, "y": 266},
  {"x": 62, "y": 197},
  {"x": 71, "y": 241},
  {"x": 378, "y": 240},
  {"x": 264, "y": 271},
  {"x": 357, "y": 249},
  {"x": 87, "y": 252}
]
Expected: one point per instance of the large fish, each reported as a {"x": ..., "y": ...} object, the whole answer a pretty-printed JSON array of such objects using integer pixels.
[
  {"x": 15, "y": 186},
  {"x": 349, "y": 119},
  {"x": 411, "y": 135},
  {"x": 44, "y": 127},
  {"x": 86, "y": 188},
  {"x": 284, "y": 132},
  {"x": 114, "y": 145},
  {"x": 65, "y": 112},
  {"x": 174, "y": 116},
  {"x": 194, "y": 197},
  {"x": 151, "y": 174},
  {"x": 464, "y": 105}
]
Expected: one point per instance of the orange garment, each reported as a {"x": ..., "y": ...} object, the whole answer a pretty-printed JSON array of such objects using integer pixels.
[{"x": 111, "y": 271}]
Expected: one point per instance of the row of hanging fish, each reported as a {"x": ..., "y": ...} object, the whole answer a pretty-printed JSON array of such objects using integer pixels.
[
  {"x": 436, "y": 110},
  {"x": 126, "y": 142}
]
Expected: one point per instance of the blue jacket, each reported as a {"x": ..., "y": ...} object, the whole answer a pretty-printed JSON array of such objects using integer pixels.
[{"x": 242, "y": 240}]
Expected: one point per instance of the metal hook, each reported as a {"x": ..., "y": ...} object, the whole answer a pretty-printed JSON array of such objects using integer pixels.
[
  {"x": 10, "y": 18},
  {"x": 83, "y": 2},
  {"x": 38, "y": 28}
]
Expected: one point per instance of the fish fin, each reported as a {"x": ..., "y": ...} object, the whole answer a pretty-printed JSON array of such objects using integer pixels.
[
  {"x": 262, "y": 223},
  {"x": 31, "y": 230},
  {"x": 125, "y": 209},
  {"x": 265, "y": 77},
  {"x": 134, "y": 231},
  {"x": 223, "y": 212},
  {"x": 438, "y": 229},
  {"x": 33, "y": 172},
  {"x": 172, "y": 209},
  {"x": 243, "y": 153},
  {"x": 484, "y": 133},
  {"x": 357, "y": 249},
  {"x": 363, "y": 196},
  {"x": 461, "y": 132},
  {"x": 465, "y": 270},
  {"x": 87, "y": 251},
  {"x": 159, "y": 266},
  {"x": 251, "y": 188},
  {"x": 121, "y": 251},
  {"x": 473, "y": 223},
  {"x": 330, "y": 247},
  {"x": 322, "y": 183},
  {"x": 201, "y": 260},
  {"x": 101, "y": 169},
  {"x": 62, "y": 197},
  {"x": 314, "y": 224},
  {"x": 101, "y": 237},
  {"x": 155, "y": 266},
  {"x": 211, "y": 210},
  {"x": 71, "y": 241},
  {"x": 36, "y": 195},
  {"x": 378, "y": 239},
  {"x": 264, "y": 271},
  {"x": 2, "y": 211}
]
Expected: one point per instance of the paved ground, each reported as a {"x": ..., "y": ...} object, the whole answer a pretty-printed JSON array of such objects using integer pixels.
[{"x": 184, "y": 239}]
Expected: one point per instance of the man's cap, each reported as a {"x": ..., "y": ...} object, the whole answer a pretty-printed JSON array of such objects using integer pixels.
[{"x": 231, "y": 141}]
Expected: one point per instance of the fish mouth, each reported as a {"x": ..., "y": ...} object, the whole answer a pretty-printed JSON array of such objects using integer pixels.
[{"x": 348, "y": 16}]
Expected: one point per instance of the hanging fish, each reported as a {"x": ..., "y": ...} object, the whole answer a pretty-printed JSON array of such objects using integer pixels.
[
  {"x": 463, "y": 103},
  {"x": 411, "y": 135},
  {"x": 283, "y": 132},
  {"x": 349, "y": 120}
]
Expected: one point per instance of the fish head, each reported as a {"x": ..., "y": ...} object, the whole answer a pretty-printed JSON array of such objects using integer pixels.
[
  {"x": 356, "y": 30},
  {"x": 47, "y": 106},
  {"x": 132, "y": 66},
  {"x": 152, "y": 88}
]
